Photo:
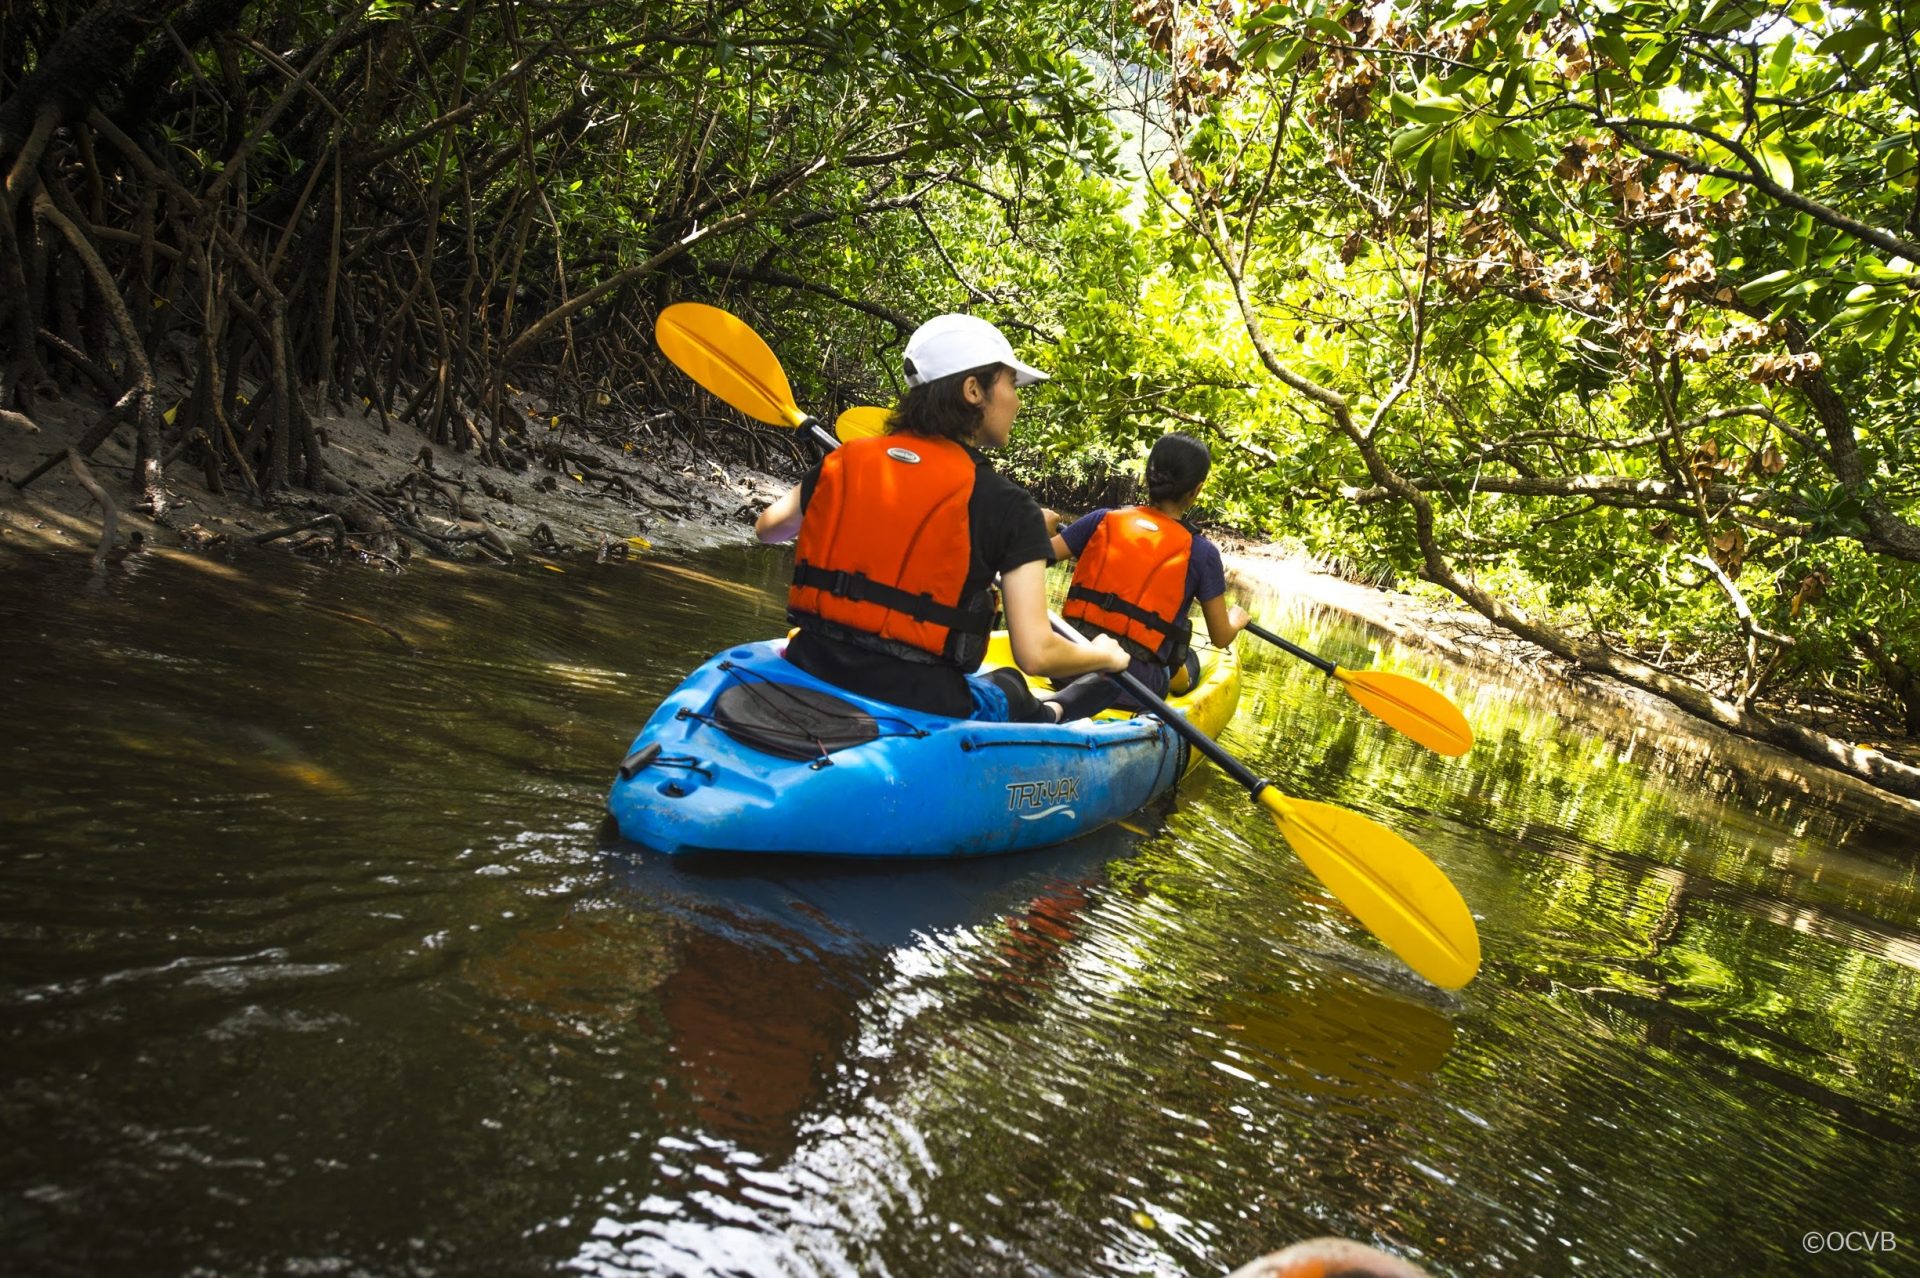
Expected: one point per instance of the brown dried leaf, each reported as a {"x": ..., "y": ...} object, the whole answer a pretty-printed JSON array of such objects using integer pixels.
[{"x": 1729, "y": 549}]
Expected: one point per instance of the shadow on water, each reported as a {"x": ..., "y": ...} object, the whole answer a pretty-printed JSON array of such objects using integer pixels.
[
  {"x": 849, "y": 904},
  {"x": 314, "y": 960}
]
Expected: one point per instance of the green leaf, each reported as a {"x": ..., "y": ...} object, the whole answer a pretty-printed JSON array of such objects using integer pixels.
[
  {"x": 1509, "y": 89},
  {"x": 1756, "y": 290},
  {"x": 1800, "y": 243},
  {"x": 1409, "y": 141},
  {"x": 1872, "y": 268},
  {"x": 1614, "y": 47},
  {"x": 1781, "y": 63},
  {"x": 1798, "y": 291},
  {"x": 1724, "y": 15},
  {"x": 1509, "y": 15},
  {"x": 1441, "y": 156},
  {"x": 1294, "y": 53},
  {"x": 1853, "y": 40},
  {"x": 1273, "y": 53},
  {"x": 1514, "y": 142},
  {"x": 1655, "y": 63},
  {"x": 1897, "y": 331},
  {"x": 1775, "y": 161},
  {"x": 1866, "y": 317},
  {"x": 1441, "y": 108},
  {"x": 1901, "y": 168}
]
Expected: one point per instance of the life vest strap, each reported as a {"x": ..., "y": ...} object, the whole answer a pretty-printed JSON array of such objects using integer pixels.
[
  {"x": 1107, "y": 601},
  {"x": 861, "y": 588}
]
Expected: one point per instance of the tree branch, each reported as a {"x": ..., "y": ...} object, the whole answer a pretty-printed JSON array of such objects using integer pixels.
[{"x": 1757, "y": 178}]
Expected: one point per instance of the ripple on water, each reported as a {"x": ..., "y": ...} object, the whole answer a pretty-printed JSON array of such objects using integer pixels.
[{"x": 314, "y": 962}]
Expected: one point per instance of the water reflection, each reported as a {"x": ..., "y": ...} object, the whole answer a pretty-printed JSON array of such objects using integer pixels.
[
  {"x": 776, "y": 956},
  {"x": 1341, "y": 1041}
]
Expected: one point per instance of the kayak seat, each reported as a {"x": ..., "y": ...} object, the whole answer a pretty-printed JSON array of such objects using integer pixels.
[{"x": 788, "y": 721}]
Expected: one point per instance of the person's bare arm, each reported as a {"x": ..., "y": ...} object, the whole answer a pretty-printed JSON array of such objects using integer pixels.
[
  {"x": 1060, "y": 549},
  {"x": 780, "y": 521},
  {"x": 1223, "y": 623},
  {"x": 1036, "y": 649}
]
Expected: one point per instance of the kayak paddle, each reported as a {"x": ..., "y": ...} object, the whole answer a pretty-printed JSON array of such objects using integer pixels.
[
  {"x": 861, "y": 423},
  {"x": 1388, "y": 884},
  {"x": 1412, "y": 707},
  {"x": 730, "y": 360}
]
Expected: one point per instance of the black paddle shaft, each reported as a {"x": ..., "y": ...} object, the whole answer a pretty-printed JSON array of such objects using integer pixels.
[
  {"x": 821, "y": 433},
  {"x": 1173, "y": 718},
  {"x": 1197, "y": 739},
  {"x": 1326, "y": 667}
]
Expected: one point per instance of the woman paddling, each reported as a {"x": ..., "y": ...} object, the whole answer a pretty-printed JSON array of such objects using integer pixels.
[
  {"x": 1138, "y": 571},
  {"x": 901, "y": 536}
]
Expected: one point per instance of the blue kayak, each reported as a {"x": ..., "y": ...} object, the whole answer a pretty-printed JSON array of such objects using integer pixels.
[{"x": 752, "y": 754}]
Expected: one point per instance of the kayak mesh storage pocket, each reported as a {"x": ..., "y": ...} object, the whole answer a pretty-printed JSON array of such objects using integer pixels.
[{"x": 790, "y": 722}]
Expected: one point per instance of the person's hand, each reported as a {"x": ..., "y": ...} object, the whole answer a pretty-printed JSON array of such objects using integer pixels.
[
  {"x": 1054, "y": 520},
  {"x": 1238, "y": 618},
  {"x": 1115, "y": 658}
]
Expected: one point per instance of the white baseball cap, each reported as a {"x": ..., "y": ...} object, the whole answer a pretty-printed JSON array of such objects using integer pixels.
[{"x": 949, "y": 344}]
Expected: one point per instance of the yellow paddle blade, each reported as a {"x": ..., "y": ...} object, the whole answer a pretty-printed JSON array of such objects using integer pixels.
[
  {"x": 729, "y": 359},
  {"x": 1390, "y": 885},
  {"x": 1416, "y": 709},
  {"x": 861, "y": 423}
]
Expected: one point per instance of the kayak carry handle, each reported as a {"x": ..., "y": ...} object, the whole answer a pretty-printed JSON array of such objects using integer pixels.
[{"x": 637, "y": 762}]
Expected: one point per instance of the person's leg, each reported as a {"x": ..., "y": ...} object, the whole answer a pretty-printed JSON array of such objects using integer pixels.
[
  {"x": 1084, "y": 697},
  {"x": 1151, "y": 674},
  {"x": 1002, "y": 696},
  {"x": 989, "y": 699}
]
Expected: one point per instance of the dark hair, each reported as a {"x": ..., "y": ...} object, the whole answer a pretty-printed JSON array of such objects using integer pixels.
[
  {"x": 1175, "y": 466},
  {"x": 939, "y": 408}
]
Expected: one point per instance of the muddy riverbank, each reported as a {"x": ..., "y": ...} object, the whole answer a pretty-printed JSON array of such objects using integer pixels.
[{"x": 607, "y": 488}]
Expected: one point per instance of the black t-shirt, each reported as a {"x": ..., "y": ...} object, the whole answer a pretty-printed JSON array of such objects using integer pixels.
[{"x": 1007, "y": 530}]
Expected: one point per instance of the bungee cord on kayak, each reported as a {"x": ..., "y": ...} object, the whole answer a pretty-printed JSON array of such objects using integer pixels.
[{"x": 793, "y": 722}]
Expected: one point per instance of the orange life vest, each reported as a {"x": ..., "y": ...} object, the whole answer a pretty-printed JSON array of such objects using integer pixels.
[
  {"x": 885, "y": 548},
  {"x": 1131, "y": 582}
]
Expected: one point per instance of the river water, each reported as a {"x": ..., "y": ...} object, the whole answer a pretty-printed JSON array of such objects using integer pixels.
[{"x": 314, "y": 960}]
